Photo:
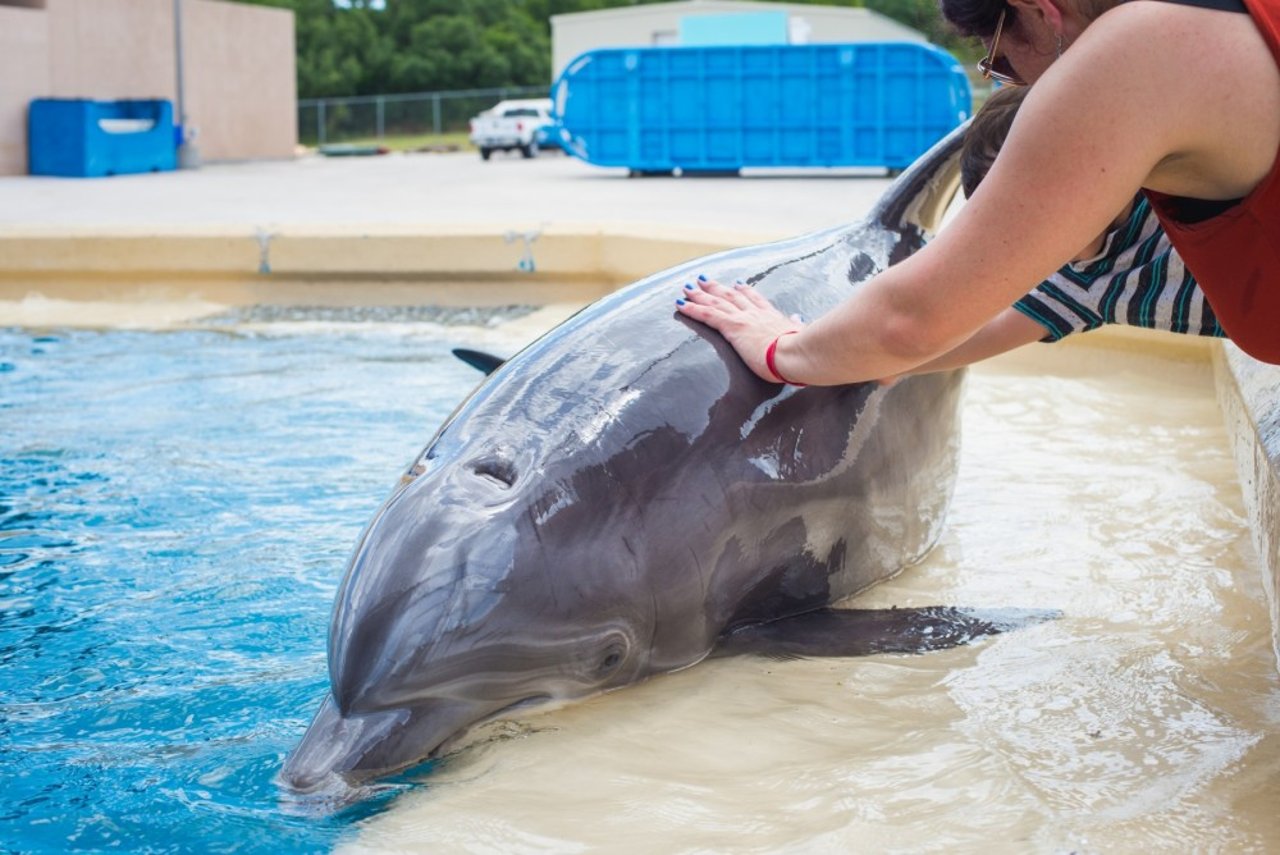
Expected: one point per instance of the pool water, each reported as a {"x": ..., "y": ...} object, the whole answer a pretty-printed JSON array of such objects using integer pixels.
[
  {"x": 175, "y": 512},
  {"x": 176, "y": 509}
]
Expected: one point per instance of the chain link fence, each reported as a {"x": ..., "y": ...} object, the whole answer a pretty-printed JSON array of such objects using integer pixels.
[{"x": 375, "y": 118}]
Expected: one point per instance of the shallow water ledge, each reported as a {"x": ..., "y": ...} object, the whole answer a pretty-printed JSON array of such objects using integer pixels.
[{"x": 1249, "y": 394}]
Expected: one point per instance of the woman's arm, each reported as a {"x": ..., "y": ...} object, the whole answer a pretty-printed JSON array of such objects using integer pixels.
[
  {"x": 1120, "y": 106},
  {"x": 1007, "y": 331}
]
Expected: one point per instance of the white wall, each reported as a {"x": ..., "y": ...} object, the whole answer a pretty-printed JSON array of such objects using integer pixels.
[{"x": 649, "y": 25}]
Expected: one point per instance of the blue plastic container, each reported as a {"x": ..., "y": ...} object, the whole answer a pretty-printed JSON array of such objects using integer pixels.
[
  {"x": 80, "y": 138},
  {"x": 719, "y": 109}
]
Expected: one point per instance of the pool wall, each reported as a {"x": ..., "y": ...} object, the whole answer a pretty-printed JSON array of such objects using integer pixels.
[
  {"x": 404, "y": 265},
  {"x": 344, "y": 266},
  {"x": 1249, "y": 394}
]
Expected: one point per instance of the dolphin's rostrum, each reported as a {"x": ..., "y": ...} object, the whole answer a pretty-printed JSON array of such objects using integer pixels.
[{"x": 624, "y": 494}]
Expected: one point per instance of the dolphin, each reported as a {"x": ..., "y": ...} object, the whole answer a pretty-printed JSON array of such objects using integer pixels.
[{"x": 624, "y": 496}]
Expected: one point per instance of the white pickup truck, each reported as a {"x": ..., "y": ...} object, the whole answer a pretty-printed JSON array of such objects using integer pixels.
[{"x": 511, "y": 125}]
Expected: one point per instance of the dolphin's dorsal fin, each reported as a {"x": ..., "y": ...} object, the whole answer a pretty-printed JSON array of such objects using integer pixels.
[
  {"x": 478, "y": 359},
  {"x": 923, "y": 192},
  {"x": 863, "y": 632}
]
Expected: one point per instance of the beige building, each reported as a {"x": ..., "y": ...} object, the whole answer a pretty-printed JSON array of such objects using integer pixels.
[
  {"x": 239, "y": 78},
  {"x": 659, "y": 24}
]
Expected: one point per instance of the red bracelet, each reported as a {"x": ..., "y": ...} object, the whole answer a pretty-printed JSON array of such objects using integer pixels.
[{"x": 769, "y": 357}]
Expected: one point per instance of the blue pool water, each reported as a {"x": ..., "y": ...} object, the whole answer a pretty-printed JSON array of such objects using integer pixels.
[{"x": 175, "y": 512}]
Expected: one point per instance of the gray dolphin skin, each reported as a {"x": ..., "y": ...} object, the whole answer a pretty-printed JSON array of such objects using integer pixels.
[{"x": 624, "y": 495}]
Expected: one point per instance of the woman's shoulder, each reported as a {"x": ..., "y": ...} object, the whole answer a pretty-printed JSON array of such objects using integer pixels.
[
  {"x": 1157, "y": 13},
  {"x": 1169, "y": 29},
  {"x": 1200, "y": 85}
]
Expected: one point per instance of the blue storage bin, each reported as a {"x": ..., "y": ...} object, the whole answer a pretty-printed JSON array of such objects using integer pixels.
[
  {"x": 79, "y": 138},
  {"x": 718, "y": 109}
]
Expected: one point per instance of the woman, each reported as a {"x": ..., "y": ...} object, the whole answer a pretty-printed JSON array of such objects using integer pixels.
[{"x": 1176, "y": 99}]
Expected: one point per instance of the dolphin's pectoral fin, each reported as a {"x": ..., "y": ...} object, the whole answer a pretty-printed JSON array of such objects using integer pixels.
[
  {"x": 479, "y": 360},
  {"x": 862, "y": 632}
]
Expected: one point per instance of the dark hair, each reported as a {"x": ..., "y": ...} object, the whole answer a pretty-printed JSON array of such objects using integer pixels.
[
  {"x": 973, "y": 17},
  {"x": 986, "y": 135},
  {"x": 978, "y": 17}
]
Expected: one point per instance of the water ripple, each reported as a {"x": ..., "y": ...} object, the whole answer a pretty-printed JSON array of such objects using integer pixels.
[{"x": 170, "y": 539}]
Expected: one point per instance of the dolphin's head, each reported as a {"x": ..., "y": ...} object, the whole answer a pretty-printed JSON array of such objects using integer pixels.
[{"x": 463, "y": 601}]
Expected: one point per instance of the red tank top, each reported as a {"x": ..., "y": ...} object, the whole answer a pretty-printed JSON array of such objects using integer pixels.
[{"x": 1235, "y": 255}]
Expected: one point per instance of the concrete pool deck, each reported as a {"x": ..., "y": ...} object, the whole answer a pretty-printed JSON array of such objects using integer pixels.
[
  {"x": 551, "y": 229},
  {"x": 155, "y": 250}
]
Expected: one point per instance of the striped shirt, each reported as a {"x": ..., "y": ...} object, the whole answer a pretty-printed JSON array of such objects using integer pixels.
[{"x": 1137, "y": 279}]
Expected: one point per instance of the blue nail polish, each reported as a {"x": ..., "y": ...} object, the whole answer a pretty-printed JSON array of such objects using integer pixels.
[
  {"x": 701, "y": 278},
  {"x": 688, "y": 287},
  {"x": 679, "y": 302}
]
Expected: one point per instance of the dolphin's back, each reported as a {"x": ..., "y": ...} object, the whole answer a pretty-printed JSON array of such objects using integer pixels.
[
  {"x": 633, "y": 337},
  {"x": 832, "y": 488}
]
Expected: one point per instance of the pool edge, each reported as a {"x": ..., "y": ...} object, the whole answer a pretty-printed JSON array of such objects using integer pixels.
[
  {"x": 535, "y": 264},
  {"x": 1249, "y": 396}
]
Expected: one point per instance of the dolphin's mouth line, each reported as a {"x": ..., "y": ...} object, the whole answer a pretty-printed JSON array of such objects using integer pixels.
[
  {"x": 459, "y": 738},
  {"x": 532, "y": 700}
]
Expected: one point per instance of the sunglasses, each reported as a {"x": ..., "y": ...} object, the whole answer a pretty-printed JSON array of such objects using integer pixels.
[{"x": 997, "y": 67}]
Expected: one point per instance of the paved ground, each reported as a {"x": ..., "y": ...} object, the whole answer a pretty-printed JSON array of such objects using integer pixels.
[{"x": 454, "y": 189}]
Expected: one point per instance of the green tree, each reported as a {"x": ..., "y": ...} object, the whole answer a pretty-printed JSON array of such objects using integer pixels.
[{"x": 365, "y": 47}]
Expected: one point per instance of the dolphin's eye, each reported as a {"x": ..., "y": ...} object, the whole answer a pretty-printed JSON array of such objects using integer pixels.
[
  {"x": 609, "y": 662},
  {"x": 608, "y": 656},
  {"x": 499, "y": 471}
]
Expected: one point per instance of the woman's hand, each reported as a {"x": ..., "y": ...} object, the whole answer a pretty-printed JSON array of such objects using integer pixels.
[{"x": 746, "y": 319}]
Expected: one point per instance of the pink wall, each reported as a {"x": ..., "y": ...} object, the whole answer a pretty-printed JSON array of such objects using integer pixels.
[
  {"x": 111, "y": 48},
  {"x": 240, "y": 82},
  {"x": 241, "y": 86},
  {"x": 24, "y": 68}
]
